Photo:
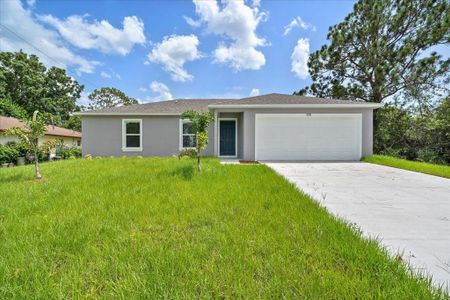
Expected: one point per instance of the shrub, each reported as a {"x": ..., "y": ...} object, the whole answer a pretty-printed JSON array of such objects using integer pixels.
[
  {"x": 192, "y": 153},
  {"x": 412, "y": 135},
  {"x": 67, "y": 152},
  {"x": 430, "y": 156},
  {"x": 8, "y": 154}
]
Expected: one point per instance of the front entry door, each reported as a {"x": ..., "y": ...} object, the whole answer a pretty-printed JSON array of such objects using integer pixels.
[{"x": 227, "y": 136}]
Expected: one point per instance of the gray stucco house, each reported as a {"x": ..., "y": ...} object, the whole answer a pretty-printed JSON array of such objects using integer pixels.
[{"x": 267, "y": 127}]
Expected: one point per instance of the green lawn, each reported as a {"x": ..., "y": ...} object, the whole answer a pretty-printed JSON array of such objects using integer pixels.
[
  {"x": 153, "y": 228},
  {"x": 421, "y": 167}
]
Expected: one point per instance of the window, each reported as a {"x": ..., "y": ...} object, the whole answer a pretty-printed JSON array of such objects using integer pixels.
[
  {"x": 132, "y": 135},
  {"x": 187, "y": 135}
]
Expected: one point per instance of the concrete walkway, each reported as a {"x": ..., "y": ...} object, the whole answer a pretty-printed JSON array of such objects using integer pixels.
[{"x": 408, "y": 211}]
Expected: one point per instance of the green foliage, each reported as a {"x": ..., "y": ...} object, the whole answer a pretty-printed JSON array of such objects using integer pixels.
[
  {"x": 12, "y": 150},
  {"x": 424, "y": 137},
  {"x": 383, "y": 48},
  {"x": 9, "y": 108},
  {"x": 29, "y": 135},
  {"x": 74, "y": 123},
  {"x": 107, "y": 97},
  {"x": 421, "y": 167},
  {"x": 68, "y": 152},
  {"x": 202, "y": 140},
  {"x": 25, "y": 81},
  {"x": 8, "y": 154},
  {"x": 149, "y": 229},
  {"x": 192, "y": 153},
  {"x": 200, "y": 122}
]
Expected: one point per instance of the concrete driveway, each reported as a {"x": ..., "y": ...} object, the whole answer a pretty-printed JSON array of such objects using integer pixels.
[{"x": 408, "y": 211}]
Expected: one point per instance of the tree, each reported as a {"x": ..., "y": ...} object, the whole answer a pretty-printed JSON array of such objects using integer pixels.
[
  {"x": 107, "y": 97},
  {"x": 74, "y": 123},
  {"x": 34, "y": 129},
  {"x": 25, "y": 81},
  {"x": 10, "y": 109},
  {"x": 200, "y": 122},
  {"x": 382, "y": 48},
  {"x": 415, "y": 134}
]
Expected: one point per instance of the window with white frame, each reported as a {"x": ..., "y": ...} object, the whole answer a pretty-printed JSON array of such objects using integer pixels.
[
  {"x": 188, "y": 139},
  {"x": 132, "y": 135}
]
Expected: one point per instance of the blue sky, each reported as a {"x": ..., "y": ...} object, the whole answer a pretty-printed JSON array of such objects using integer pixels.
[{"x": 148, "y": 49}]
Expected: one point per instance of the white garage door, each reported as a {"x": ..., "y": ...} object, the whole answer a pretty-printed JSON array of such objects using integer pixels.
[{"x": 308, "y": 137}]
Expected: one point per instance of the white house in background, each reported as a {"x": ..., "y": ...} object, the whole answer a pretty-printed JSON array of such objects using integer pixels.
[{"x": 68, "y": 137}]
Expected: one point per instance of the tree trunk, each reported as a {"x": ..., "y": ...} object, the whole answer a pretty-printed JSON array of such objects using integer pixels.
[
  {"x": 377, "y": 98},
  {"x": 199, "y": 168},
  {"x": 37, "y": 168}
]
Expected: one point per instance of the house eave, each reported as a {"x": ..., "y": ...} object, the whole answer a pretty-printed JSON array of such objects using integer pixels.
[
  {"x": 343, "y": 106},
  {"x": 125, "y": 114}
]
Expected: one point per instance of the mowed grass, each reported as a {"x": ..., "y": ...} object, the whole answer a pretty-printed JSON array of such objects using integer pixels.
[
  {"x": 416, "y": 166},
  {"x": 152, "y": 228}
]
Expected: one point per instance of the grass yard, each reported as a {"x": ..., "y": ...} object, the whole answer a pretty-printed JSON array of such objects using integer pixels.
[
  {"x": 153, "y": 228},
  {"x": 416, "y": 166}
]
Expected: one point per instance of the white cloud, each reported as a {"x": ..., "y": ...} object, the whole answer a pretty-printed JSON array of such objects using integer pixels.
[
  {"x": 110, "y": 74},
  {"x": 192, "y": 22},
  {"x": 254, "y": 92},
  {"x": 162, "y": 90},
  {"x": 31, "y": 2},
  {"x": 298, "y": 22},
  {"x": 256, "y": 3},
  {"x": 173, "y": 52},
  {"x": 105, "y": 75},
  {"x": 237, "y": 22},
  {"x": 299, "y": 58},
  {"x": 23, "y": 24},
  {"x": 143, "y": 89},
  {"x": 84, "y": 99},
  {"x": 99, "y": 35},
  {"x": 117, "y": 75}
]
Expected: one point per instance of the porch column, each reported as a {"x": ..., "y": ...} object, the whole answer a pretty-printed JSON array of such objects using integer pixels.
[{"x": 216, "y": 133}]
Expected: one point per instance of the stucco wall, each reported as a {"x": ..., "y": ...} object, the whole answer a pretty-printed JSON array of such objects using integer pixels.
[
  {"x": 7, "y": 138},
  {"x": 68, "y": 141},
  {"x": 102, "y": 136}
]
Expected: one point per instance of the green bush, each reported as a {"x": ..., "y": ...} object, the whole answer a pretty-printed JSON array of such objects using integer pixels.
[
  {"x": 8, "y": 154},
  {"x": 67, "y": 152},
  {"x": 21, "y": 148},
  {"x": 413, "y": 135},
  {"x": 192, "y": 153}
]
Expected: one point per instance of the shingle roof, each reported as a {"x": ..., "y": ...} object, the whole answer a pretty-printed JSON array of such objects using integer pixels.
[
  {"x": 178, "y": 106},
  {"x": 287, "y": 99},
  {"x": 171, "y": 106},
  {"x": 9, "y": 122}
]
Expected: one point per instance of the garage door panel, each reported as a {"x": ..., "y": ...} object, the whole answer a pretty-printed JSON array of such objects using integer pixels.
[{"x": 302, "y": 137}]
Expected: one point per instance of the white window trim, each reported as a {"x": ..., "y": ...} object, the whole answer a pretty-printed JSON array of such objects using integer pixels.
[
  {"x": 124, "y": 135},
  {"x": 235, "y": 136},
  {"x": 182, "y": 121}
]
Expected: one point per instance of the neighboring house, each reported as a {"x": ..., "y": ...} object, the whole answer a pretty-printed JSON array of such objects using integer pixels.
[
  {"x": 68, "y": 137},
  {"x": 267, "y": 127}
]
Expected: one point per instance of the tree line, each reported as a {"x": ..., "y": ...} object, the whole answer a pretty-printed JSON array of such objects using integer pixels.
[{"x": 26, "y": 86}]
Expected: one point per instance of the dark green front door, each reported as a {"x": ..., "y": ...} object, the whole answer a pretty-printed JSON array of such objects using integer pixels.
[{"x": 227, "y": 136}]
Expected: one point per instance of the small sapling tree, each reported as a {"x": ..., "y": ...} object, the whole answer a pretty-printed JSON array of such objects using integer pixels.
[
  {"x": 30, "y": 134},
  {"x": 200, "y": 121}
]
